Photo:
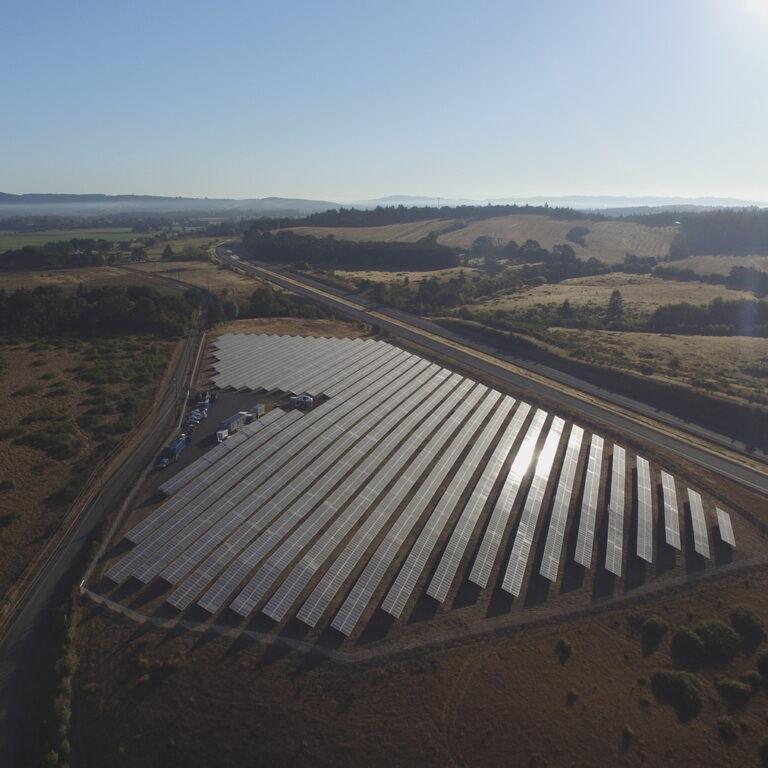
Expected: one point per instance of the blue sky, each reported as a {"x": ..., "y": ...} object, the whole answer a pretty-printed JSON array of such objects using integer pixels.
[{"x": 348, "y": 99}]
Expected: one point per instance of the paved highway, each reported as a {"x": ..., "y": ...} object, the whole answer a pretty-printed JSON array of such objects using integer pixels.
[
  {"x": 24, "y": 658},
  {"x": 629, "y": 417}
]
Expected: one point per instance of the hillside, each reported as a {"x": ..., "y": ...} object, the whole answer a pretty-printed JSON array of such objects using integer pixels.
[{"x": 607, "y": 241}]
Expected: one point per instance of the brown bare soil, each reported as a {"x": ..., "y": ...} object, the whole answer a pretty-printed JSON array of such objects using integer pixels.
[{"x": 641, "y": 293}]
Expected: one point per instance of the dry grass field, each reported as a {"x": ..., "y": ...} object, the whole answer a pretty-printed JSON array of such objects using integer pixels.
[
  {"x": 641, "y": 293},
  {"x": 404, "y": 233},
  {"x": 736, "y": 365},
  {"x": 443, "y": 275},
  {"x": 203, "y": 274},
  {"x": 720, "y": 265},
  {"x": 608, "y": 241},
  {"x": 70, "y": 279}
]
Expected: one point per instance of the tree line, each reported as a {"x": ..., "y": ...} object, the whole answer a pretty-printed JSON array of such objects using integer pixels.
[
  {"x": 104, "y": 311},
  {"x": 288, "y": 247}
]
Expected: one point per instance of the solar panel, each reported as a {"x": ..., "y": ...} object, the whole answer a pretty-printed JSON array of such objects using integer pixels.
[
  {"x": 550, "y": 563},
  {"x": 489, "y": 547},
  {"x": 526, "y": 530},
  {"x": 644, "y": 511},
  {"x": 725, "y": 527},
  {"x": 614, "y": 550},
  {"x": 457, "y": 545},
  {"x": 700, "y": 536},
  {"x": 671, "y": 513},
  {"x": 586, "y": 535}
]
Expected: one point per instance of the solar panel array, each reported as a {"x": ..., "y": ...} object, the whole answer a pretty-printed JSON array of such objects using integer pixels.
[{"x": 404, "y": 474}]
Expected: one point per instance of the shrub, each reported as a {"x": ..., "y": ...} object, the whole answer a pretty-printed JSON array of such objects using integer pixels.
[
  {"x": 762, "y": 664},
  {"x": 6, "y": 485},
  {"x": 749, "y": 626},
  {"x": 720, "y": 641},
  {"x": 654, "y": 629},
  {"x": 678, "y": 689},
  {"x": 563, "y": 650},
  {"x": 753, "y": 680},
  {"x": 688, "y": 651},
  {"x": 763, "y": 752},
  {"x": 726, "y": 730},
  {"x": 734, "y": 694}
]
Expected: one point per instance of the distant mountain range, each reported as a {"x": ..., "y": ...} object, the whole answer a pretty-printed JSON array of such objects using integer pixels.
[
  {"x": 98, "y": 204},
  {"x": 78, "y": 205},
  {"x": 579, "y": 202}
]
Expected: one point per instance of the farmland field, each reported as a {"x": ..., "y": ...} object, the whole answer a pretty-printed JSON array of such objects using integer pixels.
[
  {"x": 11, "y": 241},
  {"x": 404, "y": 233}
]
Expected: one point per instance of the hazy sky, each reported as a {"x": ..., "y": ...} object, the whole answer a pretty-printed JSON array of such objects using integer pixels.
[{"x": 352, "y": 99}]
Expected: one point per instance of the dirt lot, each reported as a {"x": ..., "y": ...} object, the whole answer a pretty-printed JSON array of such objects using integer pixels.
[{"x": 641, "y": 293}]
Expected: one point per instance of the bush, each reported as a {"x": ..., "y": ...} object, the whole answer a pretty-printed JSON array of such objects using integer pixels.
[
  {"x": 763, "y": 751},
  {"x": 734, "y": 694},
  {"x": 749, "y": 626},
  {"x": 678, "y": 689},
  {"x": 563, "y": 650},
  {"x": 720, "y": 641},
  {"x": 6, "y": 485},
  {"x": 726, "y": 730},
  {"x": 762, "y": 664},
  {"x": 654, "y": 629},
  {"x": 688, "y": 651}
]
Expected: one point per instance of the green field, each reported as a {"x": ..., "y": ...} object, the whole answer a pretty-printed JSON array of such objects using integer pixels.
[{"x": 11, "y": 241}]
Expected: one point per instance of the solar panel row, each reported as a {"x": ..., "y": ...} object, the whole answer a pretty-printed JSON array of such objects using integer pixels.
[
  {"x": 550, "y": 563},
  {"x": 615, "y": 549},
  {"x": 518, "y": 559}
]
